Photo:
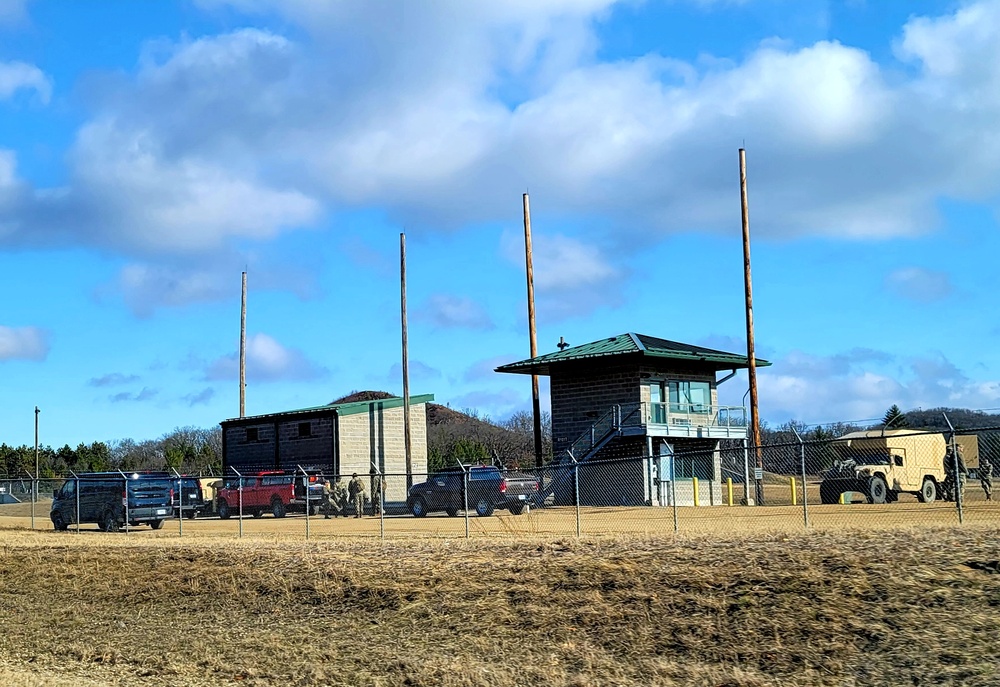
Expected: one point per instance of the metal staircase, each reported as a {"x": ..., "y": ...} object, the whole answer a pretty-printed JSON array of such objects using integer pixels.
[{"x": 618, "y": 421}]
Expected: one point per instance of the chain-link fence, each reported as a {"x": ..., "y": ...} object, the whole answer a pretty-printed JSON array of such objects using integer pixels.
[{"x": 868, "y": 479}]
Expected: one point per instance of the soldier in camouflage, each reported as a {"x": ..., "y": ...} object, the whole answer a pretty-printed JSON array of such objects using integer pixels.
[{"x": 356, "y": 488}]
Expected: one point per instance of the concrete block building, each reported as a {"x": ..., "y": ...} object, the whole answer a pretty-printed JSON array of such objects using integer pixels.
[
  {"x": 634, "y": 395},
  {"x": 337, "y": 439}
]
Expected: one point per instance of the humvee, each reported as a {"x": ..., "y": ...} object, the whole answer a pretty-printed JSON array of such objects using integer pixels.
[{"x": 882, "y": 464}]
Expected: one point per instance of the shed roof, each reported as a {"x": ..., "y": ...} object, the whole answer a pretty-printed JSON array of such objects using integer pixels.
[
  {"x": 340, "y": 409},
  {"x": 632, "y": 344}
]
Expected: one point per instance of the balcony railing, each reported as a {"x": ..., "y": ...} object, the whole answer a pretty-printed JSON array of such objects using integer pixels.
[{"x": 695, "y": 415}]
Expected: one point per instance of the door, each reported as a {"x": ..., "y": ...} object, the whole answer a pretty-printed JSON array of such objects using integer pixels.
[{"x": 657, "y": 409}]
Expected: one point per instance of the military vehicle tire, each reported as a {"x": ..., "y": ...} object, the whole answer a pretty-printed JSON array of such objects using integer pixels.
[
  {"x": 224, "y": 510},
  {"x": 928, "y": 491},
  {"x": 829, "y": 493},
  {"x": 878, "y": 490}
]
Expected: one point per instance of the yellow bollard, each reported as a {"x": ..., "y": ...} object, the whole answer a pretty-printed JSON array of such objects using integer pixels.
[
  {"x": 791, "y": 485},
  {"x": 729, "y": 490},
  {"x": 694, "y": 486}
]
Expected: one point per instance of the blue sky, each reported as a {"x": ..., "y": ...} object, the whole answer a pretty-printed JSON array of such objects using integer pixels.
[{"x": 149, "y": 152}]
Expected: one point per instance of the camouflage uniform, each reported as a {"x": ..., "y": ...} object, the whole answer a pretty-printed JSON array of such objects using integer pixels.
[
  {"x": 325, "y": 504},
  {"x": 356, "y": 488},
  {"x": 339, "y": 499},
  {"x": 378, "y": 495},
  {"x": 954, "y": 482},
  {"x": 986, "y": 476}
]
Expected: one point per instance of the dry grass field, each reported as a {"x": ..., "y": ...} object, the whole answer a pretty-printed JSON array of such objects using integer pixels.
[{"x": 853, "y": 607}]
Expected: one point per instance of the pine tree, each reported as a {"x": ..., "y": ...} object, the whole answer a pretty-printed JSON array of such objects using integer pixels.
[{"x": 895, "y": 418}]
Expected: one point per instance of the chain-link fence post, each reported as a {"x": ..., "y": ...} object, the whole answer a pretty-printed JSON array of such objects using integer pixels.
[
  {"x": 34, "y": 489},
  {"x": 673, "y": 487},
  {"x": 465, "y": 496},
  {"x": 805, "y": 491},
  {"x": 379, "y": 490},
  {"x": 957, "y": 466},
  {"x": 747, "y": 501},
  {"x": 576, "y": 491},
  {"x": 125, "y": 500},
  {"x": 180, "y": 502},
  {"x": 305, "y": 483},
  {"x": 239, "y": 491}
]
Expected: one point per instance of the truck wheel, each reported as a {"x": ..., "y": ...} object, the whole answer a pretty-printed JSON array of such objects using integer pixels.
[
  {"x": 109, "y": 523},
  {"x": 224, "y": 510},
  {"x": 452, "y": 511},
  {"x": 829, "y": 493},
  {"x": 928, "y": 491},
  {"x": 878, "y": 490},
  {"x": 58, "y": 523},
  {"x": 484, "y": 508},
  {"x": 516, "y": 508},
  {"x": 419, "y": 508},
  {"x": 278, "y": 509},
  {"x": 192, "y": 514},
  {"x": 156, "y": 524}
]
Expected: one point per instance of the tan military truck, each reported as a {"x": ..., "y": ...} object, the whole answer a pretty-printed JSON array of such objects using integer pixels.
[{"x": 882, "y": 464}]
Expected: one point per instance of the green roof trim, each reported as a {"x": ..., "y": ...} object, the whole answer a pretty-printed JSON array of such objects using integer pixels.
[
  {"x": 632, "y": 344},
  {"x": 341, "y": 409}
]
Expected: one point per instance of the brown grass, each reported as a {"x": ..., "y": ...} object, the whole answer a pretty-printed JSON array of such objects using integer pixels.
[{"x": 828, "y": 608}]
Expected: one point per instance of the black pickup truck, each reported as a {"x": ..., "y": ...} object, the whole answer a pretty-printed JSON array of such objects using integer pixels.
[{"x": 489, "y": 489}]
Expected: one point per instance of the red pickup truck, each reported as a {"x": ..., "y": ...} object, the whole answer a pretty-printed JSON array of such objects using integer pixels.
[{"x": 275, "y": 491}]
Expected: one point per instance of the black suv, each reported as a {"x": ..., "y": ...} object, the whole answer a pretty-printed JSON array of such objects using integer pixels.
[
  {"x": 111, "y": 500},
  {"x": 187, "y": 492}
]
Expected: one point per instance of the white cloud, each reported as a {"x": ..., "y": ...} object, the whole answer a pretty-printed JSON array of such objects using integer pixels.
[
  {"x": 572, "y": 278},
  {"x": 267, "y": 361},
  {"x": 13, "y": 11},
  {"x": 402, "y": 109},
  {"x": 16, "y": 76},
  {"x": 444, "y": 311},
  {"x": 148, "y": 287},
  {"x": 861, "y": 384},
  {"x": 418, "y": 371},
  {"x": 919, "y": 284},
  {"x": 23, "y": 343}
]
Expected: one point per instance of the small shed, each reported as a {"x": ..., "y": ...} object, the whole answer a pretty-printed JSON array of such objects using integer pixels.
[{"x": 337, "y": 439}]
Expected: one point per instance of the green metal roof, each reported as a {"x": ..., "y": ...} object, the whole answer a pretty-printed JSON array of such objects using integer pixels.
[
  {"x": 340, "y": 409},
  {"x": 632, "y": 344}
]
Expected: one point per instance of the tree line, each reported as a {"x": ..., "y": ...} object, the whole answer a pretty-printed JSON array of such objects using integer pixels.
[{"x": 189, "y": 450}]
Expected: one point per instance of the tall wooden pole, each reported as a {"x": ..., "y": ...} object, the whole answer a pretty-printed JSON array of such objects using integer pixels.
[
  {"x": 751, "y": 359},
  {"x": 535, "y": 406},
  {"x": 407, "y": 444},
  {"x": 243, "y": 349}
]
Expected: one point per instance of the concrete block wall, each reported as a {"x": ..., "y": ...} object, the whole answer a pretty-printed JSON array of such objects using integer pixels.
[
  {"x": 259, "y": 454},
  {"x": 315, "y": 450},
  {"x": 378, "y": 436},
  {"x": 581, "y": 394}
]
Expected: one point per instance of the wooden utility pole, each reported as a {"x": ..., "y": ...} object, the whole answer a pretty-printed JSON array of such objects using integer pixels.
[
  {"x": 751, "y": 360},
  {"x": 406, "y": 364},
  {"x": 533, "y": 339},
  {"x": 243, "y": 349}
]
